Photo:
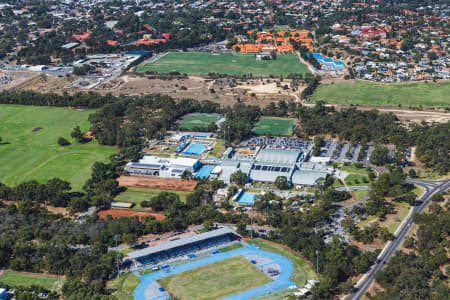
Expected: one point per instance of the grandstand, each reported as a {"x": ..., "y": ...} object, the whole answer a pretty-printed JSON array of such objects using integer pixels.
[{"x": 182, "y": 246}]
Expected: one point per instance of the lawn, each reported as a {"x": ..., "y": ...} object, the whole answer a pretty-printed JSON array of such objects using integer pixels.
[
  {"x": 371, "y": 93},
  {"x": 204, "y": 63},
  {"x": 353, "y": 169},
  {"x": 124, "y": 286},
  {"x": 189, "y": 122},
  {"x": 357, "y": 180},
  {"x": 215, "y": 281},
  {"x": 274, "y": 126},
  {"x": 360, "y": 194},
  {"x": 26, "y": 280},
  {"x": 231, "y": 247},
  {"x": 302, "y": 271},
  {"x": 137, "y": 195},
  {"x": 30, "y": 153},
  {"x": 218, "y": 149}
]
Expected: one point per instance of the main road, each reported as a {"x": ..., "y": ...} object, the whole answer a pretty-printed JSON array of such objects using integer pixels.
[{"x": 431, "y": 187}]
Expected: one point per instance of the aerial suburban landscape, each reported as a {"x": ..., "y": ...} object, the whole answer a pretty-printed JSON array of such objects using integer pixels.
[{"x": 233, "y": 150}]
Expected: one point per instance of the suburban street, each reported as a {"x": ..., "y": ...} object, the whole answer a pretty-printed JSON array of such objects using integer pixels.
[{"x": 431, "y": 187}]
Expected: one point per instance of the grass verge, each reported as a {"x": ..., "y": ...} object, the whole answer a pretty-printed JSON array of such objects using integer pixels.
[{"x": 124, "y": 286}]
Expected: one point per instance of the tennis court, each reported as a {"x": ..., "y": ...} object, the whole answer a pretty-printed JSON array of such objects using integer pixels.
[
  {"x": 204, "y": 172},
  {"x": 274, "y": 126},
  {"x": 195, "y": 149}
]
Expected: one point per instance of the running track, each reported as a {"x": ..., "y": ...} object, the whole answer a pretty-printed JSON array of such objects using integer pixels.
[{"x": 282, "y": 281}]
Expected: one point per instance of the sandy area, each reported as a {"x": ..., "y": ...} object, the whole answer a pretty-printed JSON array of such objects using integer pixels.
[
  {"x": 117, "y": 213},
  {"x": 157, "y": 183}
]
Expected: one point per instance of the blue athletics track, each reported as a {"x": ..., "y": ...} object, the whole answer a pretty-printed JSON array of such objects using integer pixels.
[{"x": 148, "y": 289}]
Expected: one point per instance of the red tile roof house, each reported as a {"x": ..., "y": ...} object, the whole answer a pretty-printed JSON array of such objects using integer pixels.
[{"x": 81, "y": 37}]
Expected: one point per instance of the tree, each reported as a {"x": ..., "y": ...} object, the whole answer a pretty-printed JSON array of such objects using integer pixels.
[
  {"x": 412, "y": 173},
  {"x": 63, "y": 142},
  {"x": 282, "y": 183},
  {"x": 77, "y": 134},
  {"x": 239, "y": 177},
  {"x": 186, "y": 175},
  {"x": 380, "y": 156},
  {"x": 437, "y": 198}
]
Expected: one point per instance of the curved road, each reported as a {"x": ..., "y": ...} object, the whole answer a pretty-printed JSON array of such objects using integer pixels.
[{"x": 431, "y": 187}]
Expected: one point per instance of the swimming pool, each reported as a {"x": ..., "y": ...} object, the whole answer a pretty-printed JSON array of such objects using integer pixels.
[
  {"x": 247, "y": 199},
  {"x": 204, "y": 172},
  {"x": 195, "y": 149}
]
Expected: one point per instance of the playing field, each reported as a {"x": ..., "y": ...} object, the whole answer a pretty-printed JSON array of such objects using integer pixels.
[
  {"x": 371, "y": 93},
  {"x": 191, "y": 121},
  {"x": 26, "y": 280},
  {"x": 138, "y": 195},
  {"x": 274, "y": 126},
  {"x": 29, "y": 148},
  {"x": 204, "y": 63},
  {"x": 215, "y": 281}
]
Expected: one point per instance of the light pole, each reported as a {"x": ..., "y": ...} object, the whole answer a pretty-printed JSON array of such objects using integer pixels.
[
  {"x": 116, "y": 238},
  {"x": 317, "y": 262},
  {"x": 251, "y": 227}
]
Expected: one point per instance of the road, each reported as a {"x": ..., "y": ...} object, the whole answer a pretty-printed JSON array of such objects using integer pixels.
[{"x": 431, "y": 187}]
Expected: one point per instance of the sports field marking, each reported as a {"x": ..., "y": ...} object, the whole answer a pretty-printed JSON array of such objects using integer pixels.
[
  {"x": 193, "y": 63},
  {"x": 274, "y": 126}
]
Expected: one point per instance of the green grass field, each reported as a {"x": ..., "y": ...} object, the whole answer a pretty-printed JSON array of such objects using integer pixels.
[
  {"x": 204, "y": 63},
  {"x": 215, "y": 281},
  {"x": 274, "y": 126},
  {"x": 26, "y": 280},
  {"x": 27, "y": 155},
  {"x": 124, "y": 285},
  {"x": 302, "y": 271},
  {"x": 357, "y": 180},
  {"x": 198, "y": 120},
  {"x": 137, "y": 195},
  {"x": 371, "y": 93}
]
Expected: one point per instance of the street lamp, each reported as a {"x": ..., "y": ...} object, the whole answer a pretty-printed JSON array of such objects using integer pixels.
[
  {"x": 317, "y": 262},
  {"x": 116, "y": 238}
]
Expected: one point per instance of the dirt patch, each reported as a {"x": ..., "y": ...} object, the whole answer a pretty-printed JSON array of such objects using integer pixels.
[
  {"x": 54, "y": 210},
  {"x": 220, "y": 91},
  {"x": 373, "y": 289},
  {"x": 117, "y": 213},
  {"x": 377, "y": 244},
  {"x": 157, "y": 183}
]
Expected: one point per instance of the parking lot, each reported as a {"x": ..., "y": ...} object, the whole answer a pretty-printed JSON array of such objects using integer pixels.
[{"x": 278, "y": 143}]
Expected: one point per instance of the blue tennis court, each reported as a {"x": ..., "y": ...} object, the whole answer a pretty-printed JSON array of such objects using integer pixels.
[
  {"x": 282, "y": 282},
  {"x": 204, "y": 172},
  {"x": 247, "y": 199},
  {"x": 195, "y": 149}
]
